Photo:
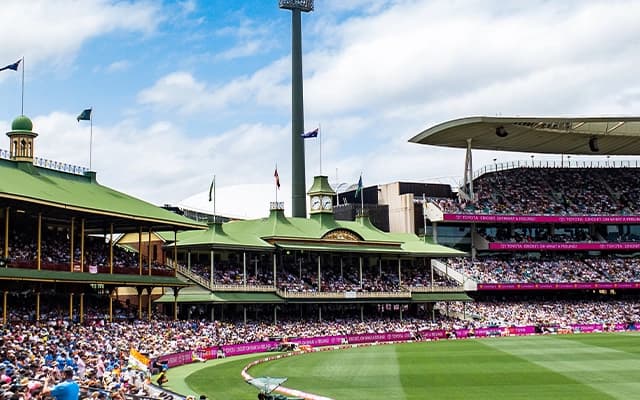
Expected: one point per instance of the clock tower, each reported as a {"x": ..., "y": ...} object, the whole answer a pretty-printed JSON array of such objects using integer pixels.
[{"x": 321, "y": 196}]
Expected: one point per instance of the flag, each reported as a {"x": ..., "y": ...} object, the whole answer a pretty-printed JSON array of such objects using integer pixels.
[
  {"x": 137, "y": 360},
  {"x": 13, "y": 66},
  {"x": 359, "y": 189},
  {"x": 275, "y": 175},
  {"x": 310, "y": 134},
  {"x": 85, "y": 115},
  {"x": 213, "y": 184}
]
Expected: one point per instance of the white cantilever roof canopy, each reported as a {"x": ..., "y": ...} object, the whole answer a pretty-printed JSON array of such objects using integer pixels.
[{"x": 583, "y": 136}]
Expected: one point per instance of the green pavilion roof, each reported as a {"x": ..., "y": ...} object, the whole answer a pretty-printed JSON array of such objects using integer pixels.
[
  {"x": 24, "y": 182},
  {"x": 278, "y": 231}
]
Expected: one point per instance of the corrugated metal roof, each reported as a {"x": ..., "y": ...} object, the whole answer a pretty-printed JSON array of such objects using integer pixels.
[
  {"x": 553, "y": 135},
  {"x": 32, "y": 184}
]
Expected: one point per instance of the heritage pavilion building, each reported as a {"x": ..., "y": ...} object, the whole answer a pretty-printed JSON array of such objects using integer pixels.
[
  {"x": 249, "y": 266},
  {"x": 57, "y": 226}
]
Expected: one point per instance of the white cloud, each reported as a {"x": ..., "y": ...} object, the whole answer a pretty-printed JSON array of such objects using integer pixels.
[
  {"x": 181, "y": 91},
  {"x": 117, "y": 66},
  {"x": 162, "y": 163},
  {"x": 53, "y": 31},
  {"x": 373, "y": 80}
]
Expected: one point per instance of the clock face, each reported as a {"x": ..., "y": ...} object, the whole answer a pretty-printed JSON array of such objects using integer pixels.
[
  {"x": 315, "y": 203},
  {"x": 327, "y": 203}
]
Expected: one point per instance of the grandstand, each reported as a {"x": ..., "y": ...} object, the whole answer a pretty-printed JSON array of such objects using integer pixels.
[
  {"x": 58, "y": 225},
  {"x": 552, "y": 249},
  {"x": 562, "y": 227}
]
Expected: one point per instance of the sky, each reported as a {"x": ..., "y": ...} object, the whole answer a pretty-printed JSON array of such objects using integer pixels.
[{"x": 185, "y": 90}]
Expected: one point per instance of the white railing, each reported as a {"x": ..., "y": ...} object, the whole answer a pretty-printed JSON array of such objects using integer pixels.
[
  {"x": 468, "y": 283},
  {"x": 563, "y": 163},
  {"x": 50, "y": 164}
]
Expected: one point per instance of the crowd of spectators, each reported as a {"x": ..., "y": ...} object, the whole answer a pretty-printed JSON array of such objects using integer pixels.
[
  {"x": 304, "y": 277},
  {"x": 536, "y": 234},
  {"x": 593, "y": 191},
  {"x": 554, "y": 269},
  {"x": 98, "y": 352},
  {"x": 55, "y": 250},
  {"x": 548, "y": 312}
]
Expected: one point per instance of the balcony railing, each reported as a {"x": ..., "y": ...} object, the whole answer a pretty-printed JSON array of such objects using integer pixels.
[{"x": 50, "y": 164}]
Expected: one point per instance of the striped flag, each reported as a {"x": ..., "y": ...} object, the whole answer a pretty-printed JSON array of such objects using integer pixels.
[
  {"x": 275, "y": 175},
  {"x": 137, "y": 360}
]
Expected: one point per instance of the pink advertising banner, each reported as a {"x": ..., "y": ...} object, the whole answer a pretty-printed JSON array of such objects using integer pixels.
[
  {"x": 321, "y": 341},
  {"x": 558, "y": 219},
  {"x": 248, "y": 348},
  {"x": 556, "y": 286},
  {"x": 379, "y": 337},
  {"x": 175, "y": 359},
  {"x": 567, "y": 246}
]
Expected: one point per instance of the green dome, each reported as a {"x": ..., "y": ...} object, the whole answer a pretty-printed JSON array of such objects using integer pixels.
[{"x": 22, "y": 123}]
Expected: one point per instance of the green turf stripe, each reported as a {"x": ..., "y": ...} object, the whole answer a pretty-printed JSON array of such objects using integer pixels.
[
  {"x": 371, "y": 372},
  {"x": 592, "y": 363}
]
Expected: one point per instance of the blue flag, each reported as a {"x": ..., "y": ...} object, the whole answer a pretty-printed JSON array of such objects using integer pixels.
[
  {"x": 13, "y": 66},
  {"x": 85, "y": 115},
  {"x": 359, "y": 189},
  {"x": 310, "y": 134}
]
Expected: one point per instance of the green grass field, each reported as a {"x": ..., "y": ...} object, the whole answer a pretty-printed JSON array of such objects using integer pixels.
[{"x": 596, "y": 366}]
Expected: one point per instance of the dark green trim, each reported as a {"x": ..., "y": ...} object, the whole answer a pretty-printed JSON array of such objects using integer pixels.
[
  {"x": 223, "y": 297},
  {"x": 20, "y": 274},
  {"x": 432, "y": 297}
]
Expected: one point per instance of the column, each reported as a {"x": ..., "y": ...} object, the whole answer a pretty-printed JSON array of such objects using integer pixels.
[
  {"x": 275, "y": 284},
  {"x": 39, "y": 243},
  {"x": 139, "y": 289},
  {"x": 82, "y": 245},
  {"x": 4, "y": 307},
  {"x": 212, "y": 268},
  {"x": 6, "y": 233},
  {"x": 149, "y": 291},
  {"x": 244, "y": 269},
  {"x": 175, "y": 303},
  {"x": 319, "y": 276},
  {"x": 71, "y": 233},
  {"x": 149, "y": 250},
  {"x": 139, "y": 253},
  {"x": 38, "y": 306},
  {"x": 81, "y": 308},
  {"x": 111, "y": 250},
  {"x": 175, "y": 254},
  {"x": 360, "y": 258},
  {"x": 71, "y": 307},
  {"x": 110, "y": 306}
]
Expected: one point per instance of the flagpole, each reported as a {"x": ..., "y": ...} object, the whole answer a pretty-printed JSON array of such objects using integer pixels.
[
  {"x": 361, "y": 196},
  {"x": 22, "y": 105},
  {"x": 90, "y": 136},
  {"x": 276, "y": 187},
  {"x": 320, "y": 134},
  {"x": 214, "y": 199}
]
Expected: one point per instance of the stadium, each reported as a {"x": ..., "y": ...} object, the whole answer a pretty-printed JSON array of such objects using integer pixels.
[
  {"x": 541, "y": 253},
  {"x": 522, "y": 282}
]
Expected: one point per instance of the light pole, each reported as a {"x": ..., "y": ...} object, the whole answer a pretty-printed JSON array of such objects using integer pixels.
[{"x": 298, "y": 196}]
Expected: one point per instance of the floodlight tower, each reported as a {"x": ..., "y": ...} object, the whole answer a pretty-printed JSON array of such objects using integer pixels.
[{"x": 298, "y": 190}]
